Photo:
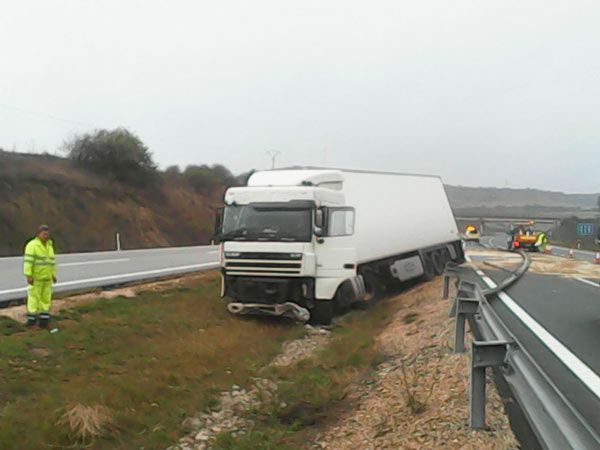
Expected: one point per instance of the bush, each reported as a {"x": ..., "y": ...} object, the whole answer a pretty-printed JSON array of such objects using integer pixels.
[
  {"x": 173, "y": 170},
  {"x": 117, "y": 154},
  {"x": 204, "y": 178}
]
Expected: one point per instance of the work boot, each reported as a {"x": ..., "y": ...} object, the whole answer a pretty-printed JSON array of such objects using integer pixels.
[
  {"x": 31, "y": 320},
  {"x": 44, "y": 320}
]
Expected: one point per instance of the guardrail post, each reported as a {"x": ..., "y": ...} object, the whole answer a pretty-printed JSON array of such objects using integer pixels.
[
  {"x": 465, "y": 289},
  {"x": 464, "y": 307},
  {"x": 483, "y": 355},
  {"x": 450, "y": 271}
]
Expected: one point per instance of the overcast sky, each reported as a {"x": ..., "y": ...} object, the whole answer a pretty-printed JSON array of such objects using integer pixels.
[{"x": 502, "y": 93}]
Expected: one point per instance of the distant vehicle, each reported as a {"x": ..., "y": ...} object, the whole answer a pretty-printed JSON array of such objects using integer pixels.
[
  {"x": 523, "y": 236},
  {"x": 297, "y": 242},
  {"x": 472, "y": 233}
]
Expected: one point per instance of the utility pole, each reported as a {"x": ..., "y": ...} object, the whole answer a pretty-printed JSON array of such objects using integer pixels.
[{"x": 273, "y": 154}]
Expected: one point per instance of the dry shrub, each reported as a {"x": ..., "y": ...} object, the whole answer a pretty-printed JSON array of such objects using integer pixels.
[
  {"x": 417, "y": 397},
  {"x": 87, "y": 422}
]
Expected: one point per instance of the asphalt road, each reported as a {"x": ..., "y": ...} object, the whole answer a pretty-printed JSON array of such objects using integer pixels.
[
  {"x": 84, "y": 270},
  {"x": 568, "y": 310}
]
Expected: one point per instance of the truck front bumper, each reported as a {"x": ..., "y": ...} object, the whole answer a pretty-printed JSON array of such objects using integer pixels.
[{"x": 287, "y": 309}]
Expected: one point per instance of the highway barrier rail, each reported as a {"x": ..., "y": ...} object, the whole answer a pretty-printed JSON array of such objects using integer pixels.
[
  {"x": 553, "y": 419},
  {"x": 17, "y": 295}
]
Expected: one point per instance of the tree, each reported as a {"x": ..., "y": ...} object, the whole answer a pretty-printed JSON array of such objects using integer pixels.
[
  {"x": 204, "y": 177},
  {"x": 201, "y": 178},
  {"x": 173, "y": 171},
  {"x": 598, "y": 202},
  {"x": 117, "y": 154}
]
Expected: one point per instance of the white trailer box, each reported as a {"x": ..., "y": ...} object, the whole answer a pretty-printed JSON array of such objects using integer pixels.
[{"x": 297, "y": 240}]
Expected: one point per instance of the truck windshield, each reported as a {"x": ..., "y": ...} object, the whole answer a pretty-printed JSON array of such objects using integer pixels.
[{"x": 267, "y": 223}]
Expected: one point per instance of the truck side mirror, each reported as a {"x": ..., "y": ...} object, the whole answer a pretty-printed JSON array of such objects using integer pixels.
[
  {"x": 319, "y": 218},
  {"x": 218, "y": 224}
]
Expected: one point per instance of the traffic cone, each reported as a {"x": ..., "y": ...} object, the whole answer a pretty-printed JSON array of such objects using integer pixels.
[
  {"x": 597, "y": 258},
  {"x": 571, "y": 254}
]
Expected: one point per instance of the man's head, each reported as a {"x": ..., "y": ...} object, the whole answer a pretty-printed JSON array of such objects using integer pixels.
[{"x": 44, "y": 232}]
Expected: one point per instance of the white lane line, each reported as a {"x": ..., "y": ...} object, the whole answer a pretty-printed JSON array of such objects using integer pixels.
[
  {"x": 119, "y": 277},
  {"x": 100, "y": 261},
  {"x": 568, "y": 358},
  {"x": 583, "y": 280}
]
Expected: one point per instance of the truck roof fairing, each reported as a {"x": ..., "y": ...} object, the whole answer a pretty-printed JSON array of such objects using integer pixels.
[{"x": 292, "y": 177}]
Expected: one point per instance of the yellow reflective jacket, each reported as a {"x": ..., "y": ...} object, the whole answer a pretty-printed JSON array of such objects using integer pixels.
[{"x": 39, "y": 260}]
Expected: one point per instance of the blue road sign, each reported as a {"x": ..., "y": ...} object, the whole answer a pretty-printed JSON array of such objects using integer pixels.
[{"x": 585, "y": 229}]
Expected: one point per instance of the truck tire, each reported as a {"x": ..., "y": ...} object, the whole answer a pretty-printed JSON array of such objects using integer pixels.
[
  {"x": 428, "y": 268},
  {"x": 375, "y": 291},
  {"x": 438, "y": 262},
  {"x": 322, "y": 312}
]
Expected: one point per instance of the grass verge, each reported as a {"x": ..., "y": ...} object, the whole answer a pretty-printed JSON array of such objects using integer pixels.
[
  {"x": 313, "y": 392},
  {"x": 149, "y": 362}
]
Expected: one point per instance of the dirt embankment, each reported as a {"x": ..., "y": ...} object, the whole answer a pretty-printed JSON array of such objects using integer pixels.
[
  {"x": 419, "y": 397},
  {"x": 85, "y": 211},
  {"x": 414, "y": 396}
]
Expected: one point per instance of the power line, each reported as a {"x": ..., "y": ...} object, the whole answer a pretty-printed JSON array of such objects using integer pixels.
[{"x": 46, "y": 116}]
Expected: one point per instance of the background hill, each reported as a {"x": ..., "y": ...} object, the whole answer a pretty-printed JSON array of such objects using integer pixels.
[
  {"x": 497, "y": 202},
  {"x": 85, "y": 210}
]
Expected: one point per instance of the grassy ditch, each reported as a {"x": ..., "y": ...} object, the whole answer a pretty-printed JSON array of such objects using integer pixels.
[
  {"x": 124, "y": 373},
  {"x": 312, "y": 393}
]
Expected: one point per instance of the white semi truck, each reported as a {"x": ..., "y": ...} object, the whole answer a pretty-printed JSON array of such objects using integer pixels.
[{"x": 299, "y": 242}]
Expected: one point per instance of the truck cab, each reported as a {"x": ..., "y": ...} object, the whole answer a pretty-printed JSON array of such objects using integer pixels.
[{"x": 272, "y": 237}]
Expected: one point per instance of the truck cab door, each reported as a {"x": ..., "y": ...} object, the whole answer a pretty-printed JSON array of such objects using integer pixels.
[{"x": 335, "y": 250}]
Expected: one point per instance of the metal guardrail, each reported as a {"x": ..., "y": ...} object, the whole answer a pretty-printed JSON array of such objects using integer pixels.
[
  {"x": 553, "y": 419},
  {"x": 17, "y": 296}
]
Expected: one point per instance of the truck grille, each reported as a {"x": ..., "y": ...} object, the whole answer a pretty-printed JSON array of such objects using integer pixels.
[{"x": 255, "y": 263}]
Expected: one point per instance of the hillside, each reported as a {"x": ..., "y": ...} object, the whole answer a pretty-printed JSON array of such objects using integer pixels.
[
  {"x": 491, "y": 201},
  {"x": 85, "y": 210}
]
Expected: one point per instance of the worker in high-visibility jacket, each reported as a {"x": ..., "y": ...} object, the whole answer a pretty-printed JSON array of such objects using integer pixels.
[
  {"x": 39, "y": 267},
  {"x": 542, "y": 241}
]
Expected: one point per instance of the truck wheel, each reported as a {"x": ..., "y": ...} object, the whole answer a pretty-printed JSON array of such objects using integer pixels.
[
  {"x": 438, "y": 262},
  {"x": 322, "y": 313},
  {"x": 428, "y": 267},
  {"x": 374, "y": 288}
]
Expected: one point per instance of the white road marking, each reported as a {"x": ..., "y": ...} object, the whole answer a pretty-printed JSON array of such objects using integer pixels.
[
  {"x": 100, "y": 261},
  {"x": 572, "y": 362},
  {"x": 591, "y": 283},
  {"x": 120, "y": 276}
]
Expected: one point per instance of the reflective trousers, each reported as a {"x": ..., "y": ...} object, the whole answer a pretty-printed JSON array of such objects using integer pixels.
[{"x": 39, "y": 297}]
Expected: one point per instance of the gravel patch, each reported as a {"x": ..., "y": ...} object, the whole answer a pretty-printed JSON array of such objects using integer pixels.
[
  {"x": 229, "y": 416},
  {"x": 418, "y": 396},
  {"x": 293, "y": 351}
]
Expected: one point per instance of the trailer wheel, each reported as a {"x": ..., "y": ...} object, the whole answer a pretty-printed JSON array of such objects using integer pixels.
[
  {"x": 428, "y": 267},
  {"x": 322, "y": 312},
  {"x": 438, "y": 262}
]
